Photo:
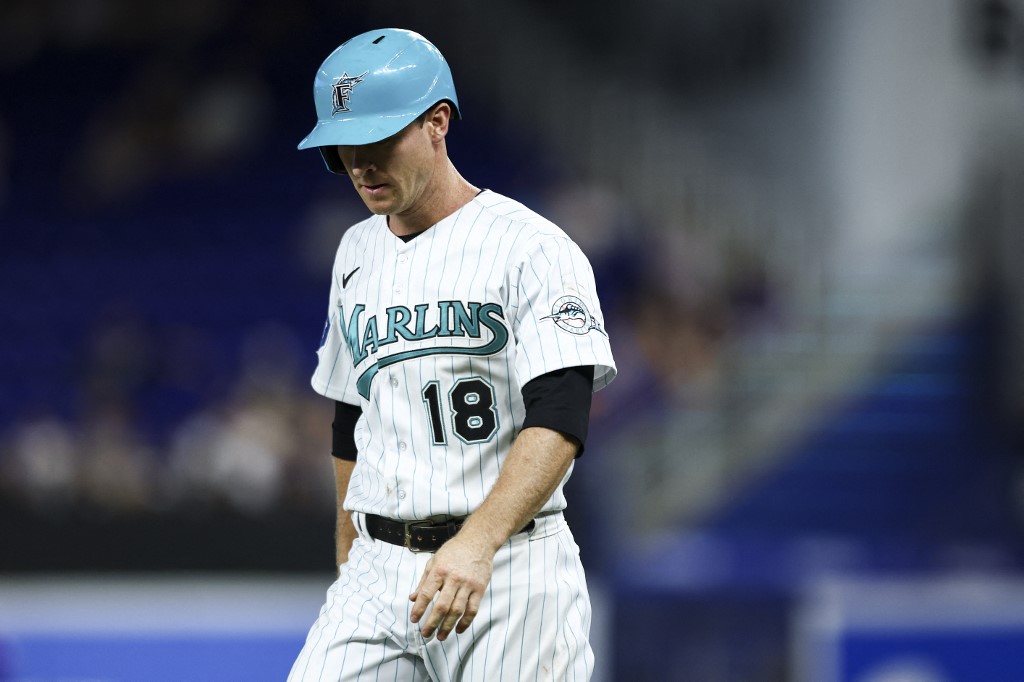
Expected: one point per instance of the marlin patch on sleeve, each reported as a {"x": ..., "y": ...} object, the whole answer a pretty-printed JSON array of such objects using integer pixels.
[{"x": 570, "y": 314}]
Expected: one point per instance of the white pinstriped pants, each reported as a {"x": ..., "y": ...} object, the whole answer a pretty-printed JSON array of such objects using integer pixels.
[{"x": 533, "y": 624}]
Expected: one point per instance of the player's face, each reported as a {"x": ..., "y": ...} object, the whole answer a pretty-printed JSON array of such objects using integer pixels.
[{"x": 391, "y": 175}]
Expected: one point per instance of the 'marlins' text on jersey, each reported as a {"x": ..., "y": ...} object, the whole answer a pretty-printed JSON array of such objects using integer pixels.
[{"x": 451, "y": 319}]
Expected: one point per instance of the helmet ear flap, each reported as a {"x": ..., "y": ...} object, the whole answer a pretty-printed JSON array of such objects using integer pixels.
[{"x": 333, "y": 160}]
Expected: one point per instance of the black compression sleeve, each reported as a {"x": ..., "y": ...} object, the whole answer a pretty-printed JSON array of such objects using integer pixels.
[
  {"x": 560, "y": 400},
  {"x": 343, "y": 445}
]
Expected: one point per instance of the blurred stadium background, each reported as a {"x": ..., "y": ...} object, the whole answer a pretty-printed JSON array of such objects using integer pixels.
[{"x": 805, "y": 218}]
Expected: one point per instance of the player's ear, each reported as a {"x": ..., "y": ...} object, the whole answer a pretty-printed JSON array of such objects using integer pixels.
[{"x": 436, "y": 119}]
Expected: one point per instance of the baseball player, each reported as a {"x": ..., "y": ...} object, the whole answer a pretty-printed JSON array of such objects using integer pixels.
[{"x": 464, "y": 339}]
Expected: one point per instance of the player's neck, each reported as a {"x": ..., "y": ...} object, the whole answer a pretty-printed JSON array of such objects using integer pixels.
[{"x": 440, "y": 200}]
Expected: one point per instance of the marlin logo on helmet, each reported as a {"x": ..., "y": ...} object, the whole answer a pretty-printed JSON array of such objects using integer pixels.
[
  {"x": 353, "y": 107},
  {"x": 570, "y": 314},
  {"x": 343, "y": 90}
]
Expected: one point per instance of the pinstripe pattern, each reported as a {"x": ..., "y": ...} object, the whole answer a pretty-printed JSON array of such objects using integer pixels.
[
  {"x": 360, "y": 634},
  {"x": 537, "y": 625},
  {"x": 527, "y": 635},
  {"x": 492, "y": 250},
  {"x": 483, "y": 285}
]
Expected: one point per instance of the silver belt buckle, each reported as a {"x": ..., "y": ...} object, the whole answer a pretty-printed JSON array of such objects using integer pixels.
[{"x": 409, "y": 525}]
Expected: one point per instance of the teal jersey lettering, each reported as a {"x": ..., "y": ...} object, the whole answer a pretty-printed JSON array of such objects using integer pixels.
[{"x": 455, "y": 320}]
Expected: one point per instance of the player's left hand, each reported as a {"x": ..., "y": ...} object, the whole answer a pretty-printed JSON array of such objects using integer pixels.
[{"x": 458, "y": 575}]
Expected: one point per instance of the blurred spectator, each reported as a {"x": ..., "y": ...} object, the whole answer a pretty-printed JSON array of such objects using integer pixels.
[
  {"x": 255, "y": 454},
  {"x": 118, "y": 468},
  {"x": 266, "y": 445},
  {"x": 187, "y": 482},
  {"x": 247, "y": 456},
  {"x": 308, "y": 479},
  {"x": 42, "y": 465}
]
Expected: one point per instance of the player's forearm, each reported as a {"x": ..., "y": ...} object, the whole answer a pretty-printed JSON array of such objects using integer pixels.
[
  {"x": 535, "y": 466},
  {"x": 344, "y": 536}
]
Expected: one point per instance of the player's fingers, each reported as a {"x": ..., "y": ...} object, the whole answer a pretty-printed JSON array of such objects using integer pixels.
[
  {"x": 425, "y": 591},
  {"x": 426, "y": 574},
  {"x": 439, "y": 611},
  {"x": 472, "y": 608},
  {"x": 423, "y": 598},
  {"x": 458, "y": 608}
]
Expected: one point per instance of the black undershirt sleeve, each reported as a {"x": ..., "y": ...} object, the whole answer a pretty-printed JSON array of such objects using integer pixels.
[
  {"x": 343, "y": 445},
  {"x": 559, "y": 400}
]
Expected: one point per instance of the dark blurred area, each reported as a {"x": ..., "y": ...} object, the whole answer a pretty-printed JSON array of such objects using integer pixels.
[{"x": 805, "y": 220}]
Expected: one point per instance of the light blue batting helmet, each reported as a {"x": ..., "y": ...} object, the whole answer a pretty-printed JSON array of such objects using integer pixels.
[{"x": 372, "y": 86}]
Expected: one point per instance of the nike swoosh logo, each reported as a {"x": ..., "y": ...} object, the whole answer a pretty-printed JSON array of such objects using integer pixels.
[{"x": 346, "y": 278}]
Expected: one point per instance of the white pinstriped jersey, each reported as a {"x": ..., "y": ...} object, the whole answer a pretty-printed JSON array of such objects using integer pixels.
[{"x": 434, "y": 338}]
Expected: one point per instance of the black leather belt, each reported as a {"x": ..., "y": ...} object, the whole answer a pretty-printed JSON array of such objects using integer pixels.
[{"x": 418, "y": 536}]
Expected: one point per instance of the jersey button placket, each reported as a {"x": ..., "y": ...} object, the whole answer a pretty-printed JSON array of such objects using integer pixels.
[{"x": 402, "y": 260}]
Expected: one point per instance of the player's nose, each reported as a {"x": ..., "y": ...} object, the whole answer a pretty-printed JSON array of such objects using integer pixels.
[{"x": 356, "y": 158}]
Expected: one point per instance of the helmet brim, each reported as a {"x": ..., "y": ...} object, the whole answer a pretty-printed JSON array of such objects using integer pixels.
[{"x": 355, "y": 131}]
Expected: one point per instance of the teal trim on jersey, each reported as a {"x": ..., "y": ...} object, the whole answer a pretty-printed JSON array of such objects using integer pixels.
[
  {"x": 496, "y": 344},
  {"x": 455, "y": 319}
]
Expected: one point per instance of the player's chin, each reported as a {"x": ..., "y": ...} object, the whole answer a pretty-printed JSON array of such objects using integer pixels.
[{"x": 379, "y": 205}]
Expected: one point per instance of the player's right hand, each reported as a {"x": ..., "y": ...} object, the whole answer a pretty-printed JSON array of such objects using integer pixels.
[{"x": 454, "y": 579}]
